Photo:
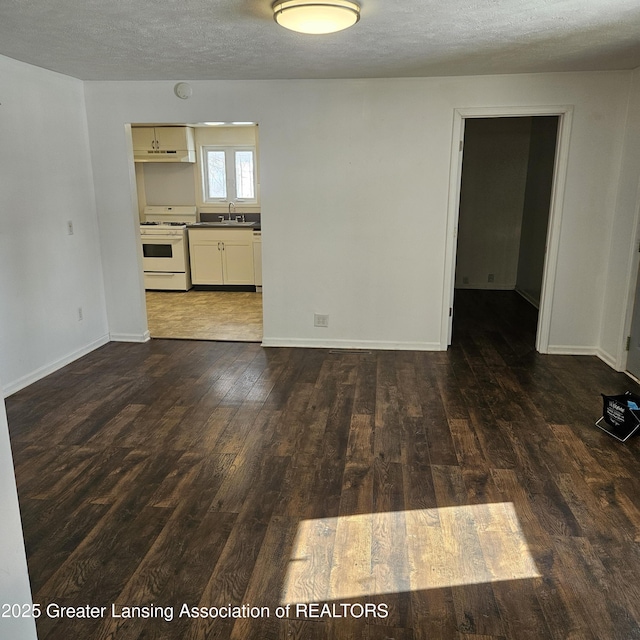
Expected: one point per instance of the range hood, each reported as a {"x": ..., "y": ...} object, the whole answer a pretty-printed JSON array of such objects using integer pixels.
[{"x": 175, "y": 155}]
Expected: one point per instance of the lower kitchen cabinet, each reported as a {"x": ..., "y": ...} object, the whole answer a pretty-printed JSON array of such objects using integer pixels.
[
  {"x": 221, "y": 256},
  {"x": 257, "y": 258}
]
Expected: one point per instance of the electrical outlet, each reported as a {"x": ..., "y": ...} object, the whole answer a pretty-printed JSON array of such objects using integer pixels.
[
  {"x": 70, "y": 227},
  {"x": 80, "y": 314},
  {"x": 320, "y": 320},
  {"x": 490, "y": 278}
]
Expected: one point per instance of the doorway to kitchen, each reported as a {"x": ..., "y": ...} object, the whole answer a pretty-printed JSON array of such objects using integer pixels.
[
  {"x": 508, "y": 178},
  {"x": 200, "y": 229}
]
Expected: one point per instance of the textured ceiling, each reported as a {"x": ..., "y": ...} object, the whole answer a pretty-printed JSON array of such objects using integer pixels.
[{"x": 238, "y": 39}]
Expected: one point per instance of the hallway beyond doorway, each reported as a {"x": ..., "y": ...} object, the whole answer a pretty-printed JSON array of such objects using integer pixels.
[{"x": 500, "y": 320}]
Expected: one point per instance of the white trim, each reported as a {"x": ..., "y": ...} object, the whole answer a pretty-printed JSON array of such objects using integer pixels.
[
  {"x": 630, "y": 375},
  {"x": 623, "y": 354},
  {"x": 553, "y": 229},
  {"x": 572, "y": 350},
  {"x": 565, "y": 113},
  {"x": 351, "y": 344},
  {"x": 455, "y": 176},
  {"x": 633, "y": 261},
  {"x": 608, "y": 359},
  {"x": 38, "y": 374},
  {"x": 131, "y": 337}
]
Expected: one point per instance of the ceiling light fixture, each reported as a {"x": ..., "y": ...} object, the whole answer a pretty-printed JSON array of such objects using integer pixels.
[{"x": 316, "y": 16}]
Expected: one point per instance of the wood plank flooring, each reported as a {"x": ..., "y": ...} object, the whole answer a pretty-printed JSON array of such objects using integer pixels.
[
  {"x": 205, "y": 315},
  {"x": 464, "y": 495}
]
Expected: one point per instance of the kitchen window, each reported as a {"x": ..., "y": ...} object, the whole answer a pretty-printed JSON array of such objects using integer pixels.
[{"x": 229, "y": 174}]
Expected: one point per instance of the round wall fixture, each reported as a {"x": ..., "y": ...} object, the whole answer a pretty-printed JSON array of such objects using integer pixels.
[
  {"x": 316, "y": 16},
  {"x": 183, "y": 90}
]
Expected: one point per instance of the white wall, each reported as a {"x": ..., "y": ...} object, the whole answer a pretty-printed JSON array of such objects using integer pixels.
[
  {"x": 355, "y": 186},
  {"x": 169, "y": 183},
  {"x": 535, "y": 210},
  {"x": 46, "y": 181},
  {"x": 494, "y": 177}
]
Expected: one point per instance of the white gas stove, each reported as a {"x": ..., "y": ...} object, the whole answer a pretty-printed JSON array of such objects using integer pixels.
[{"x": 165, "y": 247}]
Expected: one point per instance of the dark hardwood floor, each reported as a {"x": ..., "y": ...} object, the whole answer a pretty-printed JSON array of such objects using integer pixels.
[{"x": 467, "y": 495}]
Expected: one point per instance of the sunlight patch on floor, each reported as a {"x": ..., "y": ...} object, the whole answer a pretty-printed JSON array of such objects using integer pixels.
[{"x": 399, "y": 551}]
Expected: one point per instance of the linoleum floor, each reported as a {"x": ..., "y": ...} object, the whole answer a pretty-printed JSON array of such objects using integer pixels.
[{"x": 205, "y": 315}]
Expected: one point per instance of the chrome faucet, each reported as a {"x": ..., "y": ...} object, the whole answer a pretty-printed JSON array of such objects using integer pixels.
[{"x": 231, "y": 204}]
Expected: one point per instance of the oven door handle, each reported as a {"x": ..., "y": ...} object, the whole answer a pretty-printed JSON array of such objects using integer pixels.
[{"x": 159, "y": 240}]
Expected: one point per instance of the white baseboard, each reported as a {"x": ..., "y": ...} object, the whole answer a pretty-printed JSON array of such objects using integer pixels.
[
  {"x": 565, "y": 350},
  {"x": 630, "y": 375},
  {"x": 608, "y": 359},
  {"x": 571, "y": 350},
  {"x": 130, "y": 337},
  {"x": 351, "y": 344},
  {"x": 45, "y": 370}
]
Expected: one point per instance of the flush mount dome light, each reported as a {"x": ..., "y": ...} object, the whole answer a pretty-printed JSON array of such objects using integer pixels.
[{"x": 316, "y": 16}]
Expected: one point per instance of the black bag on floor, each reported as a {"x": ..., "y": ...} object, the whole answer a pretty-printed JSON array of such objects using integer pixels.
[{"x": 620, "y": 415}]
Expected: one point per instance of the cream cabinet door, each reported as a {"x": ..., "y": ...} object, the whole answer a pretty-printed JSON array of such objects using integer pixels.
[
  {"x": 171, "y": 138},
  {"x": 206, "y": 259},
  {"x": 237, "y": 260},
  {"x": 257, "y": 259},
  {"x": 221, "y": 256},
  {"x": 143, "y": 138}
]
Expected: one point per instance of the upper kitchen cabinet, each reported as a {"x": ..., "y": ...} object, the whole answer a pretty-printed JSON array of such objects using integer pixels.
[{"x": 163, "y": 144}]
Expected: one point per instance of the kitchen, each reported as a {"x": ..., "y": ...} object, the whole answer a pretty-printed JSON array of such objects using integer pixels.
[{"x": 198, "y": 194}]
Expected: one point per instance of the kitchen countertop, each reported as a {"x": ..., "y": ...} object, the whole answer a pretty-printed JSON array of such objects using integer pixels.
[{"x": 214, "y": 217}]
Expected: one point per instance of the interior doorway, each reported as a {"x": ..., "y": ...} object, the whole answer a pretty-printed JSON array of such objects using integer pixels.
[
  {"x": 506, "y": 192},
  {"x": 198, "y": 206}
]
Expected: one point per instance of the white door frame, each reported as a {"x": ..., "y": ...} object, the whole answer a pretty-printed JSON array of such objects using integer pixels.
[{"x": 565, "y": 114}]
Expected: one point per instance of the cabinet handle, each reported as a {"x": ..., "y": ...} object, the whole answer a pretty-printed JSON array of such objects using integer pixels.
[{"x": 222, "y": 246}]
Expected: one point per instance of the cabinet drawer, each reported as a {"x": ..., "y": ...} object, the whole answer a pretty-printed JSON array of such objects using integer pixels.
[{"x": 221, "y": 235}]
